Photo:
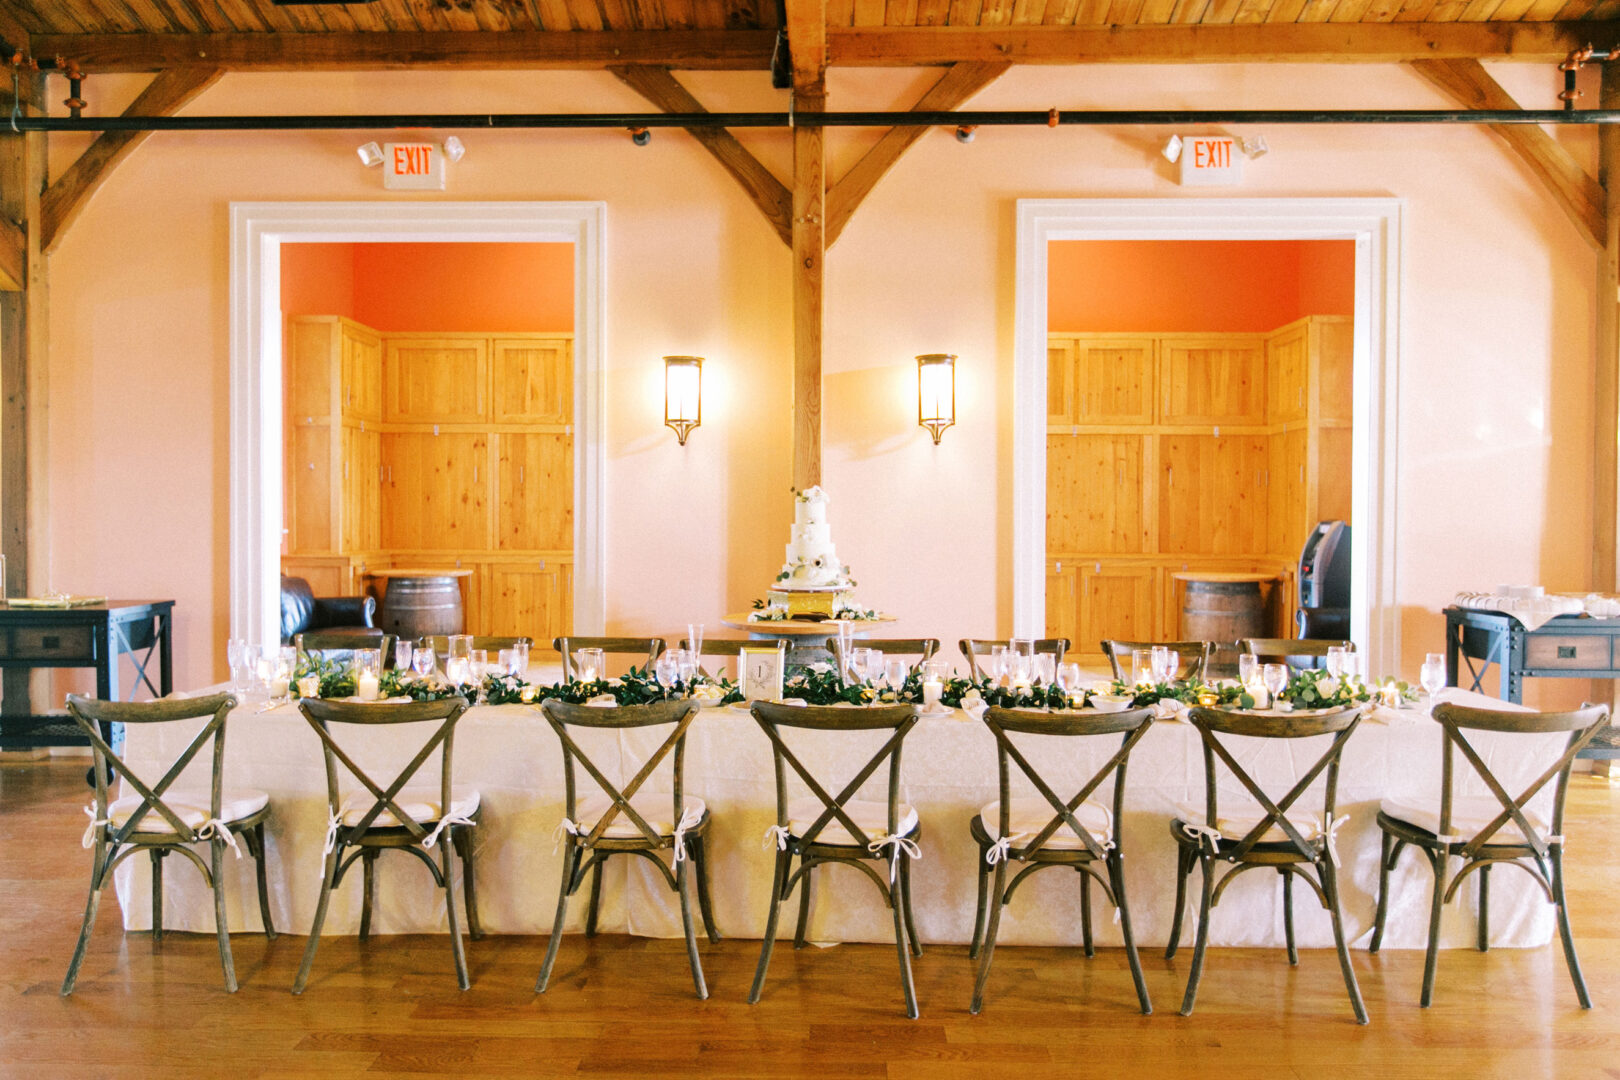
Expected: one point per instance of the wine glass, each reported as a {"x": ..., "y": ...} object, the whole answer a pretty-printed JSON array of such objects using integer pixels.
[
  {"x": 520, "y": 659},
  {"x": 253, "y": 659},
  {"x": 666, "y": 669},
  {"x": 997, "y": 668},
  {"x": 686, "y": 666},
  {"x": 236, "y": 657},
  {"x": 478, "y": 664},
  {"x": 1068, "y": 677},
  {"x": 1165, "y": 663},
  {"x": 402, "y": 654},
  {"x": 694, "y": 638},
  {"x": 1433, "y": 674},
  {"x": 1276, "y": 679},
  {"x": 894, "y": 674},
  {"x": 1248, "y": 668},
  {"x": 1335, "y": 660},
  {"x": 1044, "y": 668},
  {"x": 422, "y": 658}
]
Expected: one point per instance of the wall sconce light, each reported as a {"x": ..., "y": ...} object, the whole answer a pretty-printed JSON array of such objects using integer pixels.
[
  {"x": 683, "y": 394},
  {"x": 371, "y": 154},
  {"x": 936, "y": 393}
]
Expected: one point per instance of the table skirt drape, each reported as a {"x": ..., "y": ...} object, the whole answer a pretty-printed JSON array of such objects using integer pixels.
[{"x": 510, "y": 755}]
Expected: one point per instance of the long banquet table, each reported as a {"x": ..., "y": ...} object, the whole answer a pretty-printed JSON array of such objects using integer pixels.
[{"x": 511, "y": 756}]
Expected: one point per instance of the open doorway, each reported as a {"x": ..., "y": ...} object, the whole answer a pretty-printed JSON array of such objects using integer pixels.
[
  {"x": 1372, "y": 226},
  {"x": 1199, "y": 416},
  {"x": 258, "y": 430}
]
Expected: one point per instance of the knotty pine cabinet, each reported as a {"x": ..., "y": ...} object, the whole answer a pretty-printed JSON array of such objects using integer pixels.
[
  {"x": 1171, "y": 452},
  {"x": 448, "y": 449}
]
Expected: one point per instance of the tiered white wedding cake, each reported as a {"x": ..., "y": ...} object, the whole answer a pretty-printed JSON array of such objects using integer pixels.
[{"x": 812, "y": 580}]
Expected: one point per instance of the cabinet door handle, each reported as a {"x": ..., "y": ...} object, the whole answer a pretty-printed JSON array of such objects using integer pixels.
[
  {"x": 520, "y": 475},
  {"x": 345, "y": 470},
  {"x": 475, "y": 474},
  {"x": 1170, "y": 477}
]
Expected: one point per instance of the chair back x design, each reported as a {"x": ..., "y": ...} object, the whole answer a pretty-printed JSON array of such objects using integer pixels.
[
  {"x": 1268, "y": 833},
  {"x": 1489, "y": 829},
  {"x": 840, "y": 828},
  {"x": 616, "y": 822},
  {"x": 385, "y": 816},
  {"x": 643, "y": 651},
  {"x": 1052, "y": 831},
  {"x": 1194, "y": 657},
  {"x": 973, "y": 648},
  {"x": 167, "y": 817}
]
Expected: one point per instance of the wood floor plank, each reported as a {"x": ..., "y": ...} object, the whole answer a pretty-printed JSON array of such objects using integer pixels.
[{"x": 621, "y": 1006}]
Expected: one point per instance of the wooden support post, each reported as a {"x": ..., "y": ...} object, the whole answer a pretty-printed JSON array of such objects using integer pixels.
[
  {"x": 22, "y": 375},
  {"x": 1606, "y": 372},
  {"x": 809, "y": 252}
]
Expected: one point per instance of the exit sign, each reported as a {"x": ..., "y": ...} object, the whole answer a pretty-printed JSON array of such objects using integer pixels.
[
  {"x": 1210, "y": 161},
  {"x": 413, "y": 166}
]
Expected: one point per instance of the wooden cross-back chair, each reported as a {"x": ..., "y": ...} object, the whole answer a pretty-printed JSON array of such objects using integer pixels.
[
  {"x": 735, "y": 646},
  {"x": 1295, "y": 652},
  {"x": 1267, "y": 833},
  {"x": 1193, "y": 655},
  {"x": 1076, "y": 833},
  {"x": 643, "y": 650},
  {"x": 395, "y": 817},
  {"x": 1488, "y": 830},
  {"x": 973, "y": 648},
  {"x": 839, "y": 828},
  {"x": 618, "y": 822},
  {"x": 166, "y": 817},
  {"x": 491, "y": 644}
]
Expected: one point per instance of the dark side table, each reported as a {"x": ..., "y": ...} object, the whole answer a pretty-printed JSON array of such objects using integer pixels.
[{"x": 94, "y": 636}]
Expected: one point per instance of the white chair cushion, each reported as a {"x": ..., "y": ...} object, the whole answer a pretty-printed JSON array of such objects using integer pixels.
[
  {"x": 1029, "y": 816},
  {"x": 654, "y": 808},
  {"x": 870, "y": 814},
  {"x": 190, "y": 806},
  {"x": 422, "y": 805},
  {"x": 1469, "y": 814},
  {"x": 1239, "y": 815}
]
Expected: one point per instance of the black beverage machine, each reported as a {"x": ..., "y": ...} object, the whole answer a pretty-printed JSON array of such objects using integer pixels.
[{"x": 1324, "y": 583}]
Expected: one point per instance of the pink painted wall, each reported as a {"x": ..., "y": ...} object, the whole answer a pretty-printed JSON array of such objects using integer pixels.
[
  {"x": 445, "y": 287},
  {"x": 1169, "y": 286},
  {"x": 1497, "y": 305}
]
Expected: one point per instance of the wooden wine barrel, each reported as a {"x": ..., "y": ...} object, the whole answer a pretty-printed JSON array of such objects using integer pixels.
[
  {"x": 420, "y": 603},
  {"x": 1222, "y": 607}
]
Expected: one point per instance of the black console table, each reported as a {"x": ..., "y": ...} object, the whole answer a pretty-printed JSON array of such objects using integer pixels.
[
  {"x": 94, "y": 636},
  {"x": 1567, "y": 647}
]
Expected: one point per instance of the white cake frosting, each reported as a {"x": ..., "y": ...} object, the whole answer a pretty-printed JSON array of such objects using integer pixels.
[{"x": 812, "y": 561}]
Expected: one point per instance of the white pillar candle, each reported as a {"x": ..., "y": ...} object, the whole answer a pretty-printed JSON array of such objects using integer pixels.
[
  {"x": 932, "y": 689},
  {"x": 366, "y": 686}
]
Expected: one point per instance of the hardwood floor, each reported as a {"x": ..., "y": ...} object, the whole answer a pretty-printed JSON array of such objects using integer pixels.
[{"x": 623, "y": 1006}]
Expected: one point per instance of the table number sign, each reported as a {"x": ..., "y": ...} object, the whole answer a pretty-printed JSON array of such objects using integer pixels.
[{"x": 761, "y": 674}]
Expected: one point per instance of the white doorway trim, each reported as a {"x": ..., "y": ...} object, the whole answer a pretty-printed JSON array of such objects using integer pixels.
[
  {"x": 1375, "y": 226},
  {"x": 257, "y": 232}
]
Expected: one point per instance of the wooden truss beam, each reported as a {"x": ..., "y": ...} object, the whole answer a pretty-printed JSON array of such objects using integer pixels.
[
  {"x": 1576, "y": 193},
  {"x": 956, "y": 86},
  {"x": 774, "y": 200},
  {"x": 72, "y": 190},
  {"x": 809, "y": 252},
  {"x": 806, "y": 28},
  {"x": 360, "y": 51},
  {"x": 1215, "y": 43}
]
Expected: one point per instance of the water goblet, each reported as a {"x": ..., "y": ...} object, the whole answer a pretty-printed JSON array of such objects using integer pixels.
[
  {"x": 478, "y": 664},
  {"x": 862, "y": 663},
  {"x": 686, "y": 666},
  {"x": 459, "y": 647},
  {"x": 253, "y": 660},
  {"x": 1335, "y": 660},
  {"x": 1248, "y": 668},
  {"x": 402, "y": 655},
  {"x": 422, "y": 658},
  {"x": 236, "y": 656},
  {"x": 1433, "y": 674},
  {"x": 505, "y": 662},
  {"x": 1165, "y": 663},
  {"x": 997, "y": 667},
  {"x": 520, "y": 659},
  {"x": 894, "y": 674},
  {"x": 1068, "y": 677},
  {"x": 1276, "y": 679},
  {"x": 666, "y": 669},
  {"x": 1045, "y": 668}
]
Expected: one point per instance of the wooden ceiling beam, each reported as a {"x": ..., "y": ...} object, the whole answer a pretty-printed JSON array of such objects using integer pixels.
[
  {"x": 773, "y": 198},
  {"x": 806, "y": 28},
  {"x": 367, "y": 50},
  {"x": 1215, "y": 43},
  {"x": 956, "y": 86},
  {"x": 72, "y": 190},
  {"x": 1576, "y": 192}
]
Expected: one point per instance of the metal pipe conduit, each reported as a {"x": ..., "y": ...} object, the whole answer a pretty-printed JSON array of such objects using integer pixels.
[{"x": 1028, "y": 118}]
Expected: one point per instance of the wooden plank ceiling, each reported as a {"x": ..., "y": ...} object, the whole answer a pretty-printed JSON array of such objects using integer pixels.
[{"x": 74, "y": 17}]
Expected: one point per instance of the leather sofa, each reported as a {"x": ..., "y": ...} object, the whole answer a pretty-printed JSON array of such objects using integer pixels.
[{"x": 301, "y": 610}]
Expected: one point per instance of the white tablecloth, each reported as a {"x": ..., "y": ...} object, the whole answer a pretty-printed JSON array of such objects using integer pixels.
[{"x": 511, "y": 756}]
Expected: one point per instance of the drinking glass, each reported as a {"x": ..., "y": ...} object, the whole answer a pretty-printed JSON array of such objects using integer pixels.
[
  {"x": 1021, "y": 646},
  {"x": 1335, "y": 660},
  {"x": 1068, "y": 676},
  {"x": 997, "y": 668},
  {"x": 1045, "y": 669},
  {"x": 1248, "y": 668},
  {"x": 1433, "y": 674},
  {"x": 402, "y": 655},
  {"x": 281, "y": 672},
  {"x": 505, "y": 662},
  {"x": 367, "y": 667},
  {"x": 236, "y": 656},
  {"x": 458, "y": 670},
  {"x": 863, "y": 661},
  {"x": 1141, "y": 667},
  {"x": 1165, "y": 664},
  {"x": 694, "y": 638},
  {"x": 895, "y": 672},
  {"x": 1276, "y": 678},
  {"x": 478, "y": 664},
  {"x": 520, "y": 659},
  {"x": 459, "y": 647},
  {"x": 686, "y": 665},
  {"x": 667, "y": 668},
  {"x": 589, "y": 664},
  {"x": 253, "y": 659},
  {"x": 422, "y": 658}
]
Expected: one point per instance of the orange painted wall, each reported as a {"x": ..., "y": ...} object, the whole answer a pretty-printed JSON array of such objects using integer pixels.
[
  {"x": 1167, "y": 286},
  {"x": 500, "y": 288}
]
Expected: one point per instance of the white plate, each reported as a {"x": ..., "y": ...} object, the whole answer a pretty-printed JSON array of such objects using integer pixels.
[{"x": 936, "y": 714}]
